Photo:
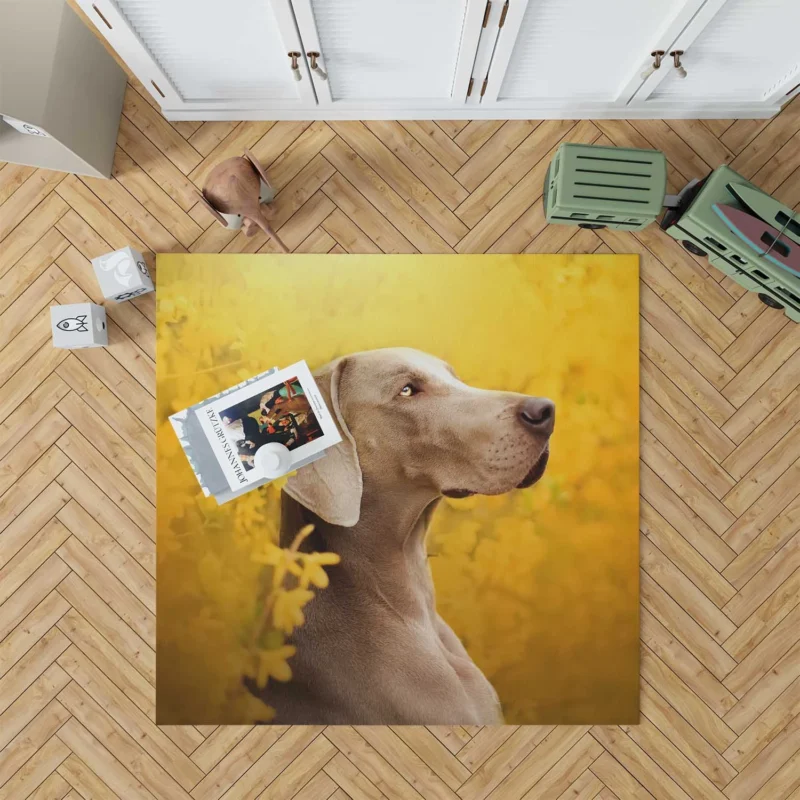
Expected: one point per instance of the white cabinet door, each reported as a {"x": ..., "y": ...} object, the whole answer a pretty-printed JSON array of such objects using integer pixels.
[
  {"x": 746, "y": 51},
  {"x": 390, "y": 55},
  {"x": 209, "y": 55},
  {"x": 576, "y": 54}
]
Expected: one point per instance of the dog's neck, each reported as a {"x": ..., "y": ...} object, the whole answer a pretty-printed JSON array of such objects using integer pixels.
[{"x": 383, "y": 555}]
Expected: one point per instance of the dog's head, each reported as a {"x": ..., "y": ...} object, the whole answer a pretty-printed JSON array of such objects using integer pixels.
[{"x": 407, "y": 421}]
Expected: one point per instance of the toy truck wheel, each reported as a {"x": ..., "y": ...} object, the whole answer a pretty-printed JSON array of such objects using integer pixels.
[
  {"x": 769, "y": 301},
  {"x": 592, "y": 226},
  {"x": 693, "y": 248}
]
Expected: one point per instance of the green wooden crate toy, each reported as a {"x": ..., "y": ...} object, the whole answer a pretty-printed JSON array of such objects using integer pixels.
[
  {"x": 605, "y": 187},
  {"x": 745, "y": 233}
]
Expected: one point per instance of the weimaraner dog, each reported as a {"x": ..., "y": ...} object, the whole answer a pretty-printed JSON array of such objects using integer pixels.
[{"x": 373, "y": 649}]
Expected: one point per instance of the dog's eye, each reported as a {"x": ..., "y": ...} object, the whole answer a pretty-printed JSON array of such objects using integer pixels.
[{"x": 408, "y": 391}]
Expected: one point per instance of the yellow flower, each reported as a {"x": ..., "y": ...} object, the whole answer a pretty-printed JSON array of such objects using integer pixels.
[
  {"x": 313, "y": 572},
  {"x": 272, "y": 664},
  {"x": 287, "y": 612},
  {"x": 282, "y": 560},
  {"x": 243, "y": 708}
]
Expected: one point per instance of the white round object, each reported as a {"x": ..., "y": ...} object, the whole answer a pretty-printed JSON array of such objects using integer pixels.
[{"x": 273, "y": 460}]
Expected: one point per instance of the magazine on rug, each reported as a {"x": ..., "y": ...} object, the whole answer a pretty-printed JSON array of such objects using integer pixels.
[{"x": 228, "y": 436}]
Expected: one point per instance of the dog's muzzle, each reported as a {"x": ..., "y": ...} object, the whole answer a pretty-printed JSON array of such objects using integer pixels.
[{"x": 537, "y": 470}]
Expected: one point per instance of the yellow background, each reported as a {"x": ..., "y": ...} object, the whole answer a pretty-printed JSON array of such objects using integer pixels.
[{"x": 541, "y": 584}]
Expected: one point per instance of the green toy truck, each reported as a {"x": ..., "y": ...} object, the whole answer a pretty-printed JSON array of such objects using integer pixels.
[
  {"x": 598, "y": 187},
  {"x": 694, "y": 223}
]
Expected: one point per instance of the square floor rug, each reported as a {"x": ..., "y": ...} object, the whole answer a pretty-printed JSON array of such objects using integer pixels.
[{"x": 468, "y": 554}]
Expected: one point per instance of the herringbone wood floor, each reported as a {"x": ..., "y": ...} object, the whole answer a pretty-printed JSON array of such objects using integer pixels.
[{"x": 720, "y": 471}]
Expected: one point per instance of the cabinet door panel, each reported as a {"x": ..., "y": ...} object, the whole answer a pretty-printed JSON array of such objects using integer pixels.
[
  {"x": 746, "y": 53},
  {"x": 416, "y": 51},
  {"x": 231, "y": 55},
  {"x": 579, "y": 53},
  {"x": 581, "y": 50}
]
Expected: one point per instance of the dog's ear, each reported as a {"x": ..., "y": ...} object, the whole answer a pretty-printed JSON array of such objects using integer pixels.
[{"x": 331, "y": 487}]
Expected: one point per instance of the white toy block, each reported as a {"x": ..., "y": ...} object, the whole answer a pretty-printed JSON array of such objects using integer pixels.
[
  {"x": 122, "y": 274},
  {"x": 79, "y": 325}
]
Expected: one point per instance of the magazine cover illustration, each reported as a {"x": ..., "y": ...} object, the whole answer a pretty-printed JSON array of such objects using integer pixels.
[{"x": 284, "y": 408}]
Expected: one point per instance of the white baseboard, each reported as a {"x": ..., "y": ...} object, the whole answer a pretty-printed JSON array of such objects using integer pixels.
[{"x": 650, "y": 111}]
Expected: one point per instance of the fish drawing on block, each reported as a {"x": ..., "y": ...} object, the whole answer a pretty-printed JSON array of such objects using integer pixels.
[
  {"x": 77, "y": 324},
  {"x": 763, "y": 238}
]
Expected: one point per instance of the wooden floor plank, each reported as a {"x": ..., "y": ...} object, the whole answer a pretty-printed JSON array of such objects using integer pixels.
[
  {"x": 685, "y": 664},
  {"x": 475, "y": 133},
  {"x": 108, "y": 515},
  {"x": 500, "y": 181},
  {"x": 32, "y": 192},
  {"x": 426, "y": 168},
  {"x": 764, "y": 400},
  {"x": 758, "y": 588},
  {"x": 718, "y": 734},
  {"x": 387, "y": 202},
  {"x": 33, "y": 736},
  {"x": 159, "y": 131},
  {"x": 31, "y": 629},
  {"x": 500, "y": 146},
  {"x": 100, "y": 578},
  {"x": 12, "y": 176},
  {"x": 303, "y": 149},
  {"x": 209, "y": 135},
  {"x": 30, "y": 230},
  {"x": 108, "y": 478},
  {"x": 673, "y": 581},
  {"x": 30, "y": 267},
  {"x": 109, "y": 771},
  {"x": 144, "y": 153},
  {"x": 119, "y": 714},
  {"x": 227, "y": 772},
  {"x": 767, "y": 142},
  {"x": 26, "y": 431},
  {"x": 684, "y": 737},
  {"x": 100, "y": 543},
  {"x": 769, "y": 614},
  {"x": 432, "y": 213},
  {"x": 84, "y": 782},
  {"x": 31, "y": 593},
  {"x": 684, "y": 412},
  {"x": 544, "y": 768},
  {"x": 781, "y": 422},
  {"x": 36, "y": 770},
  {"x": 437, "y": 143},
  {"x": 108, "y": 623},
  {"x": 661, "y": 425},
  {"x": 692, "y": 635},
  {"x": 152, "y": 197}
]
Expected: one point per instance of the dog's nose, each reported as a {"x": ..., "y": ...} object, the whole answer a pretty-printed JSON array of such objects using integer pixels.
[{"x": 539, "y": 414}]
